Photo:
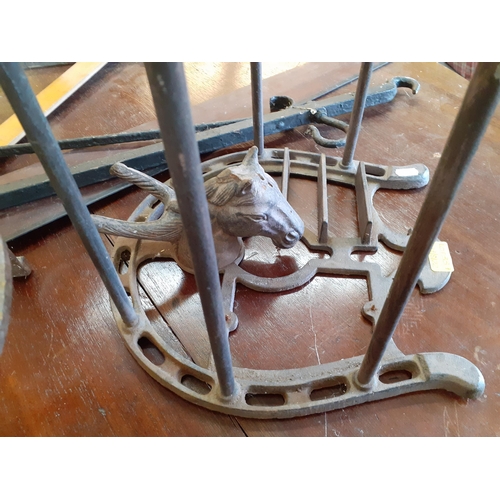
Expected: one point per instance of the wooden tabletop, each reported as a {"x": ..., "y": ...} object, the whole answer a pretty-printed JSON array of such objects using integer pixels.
[{"x": 65, "y": 370}]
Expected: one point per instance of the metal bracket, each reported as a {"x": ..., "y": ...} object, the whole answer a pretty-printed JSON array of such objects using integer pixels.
[
  {"x": 19, "y": 265},
  {"x": 297, "y": 392},
  {"x": 313, "y": 131}
]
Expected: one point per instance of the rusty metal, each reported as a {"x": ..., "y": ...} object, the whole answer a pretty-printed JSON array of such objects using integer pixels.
[
  {"x": 478, "y": 105},
  {"x": 296, "y": 390},
  {"x": 357, "y": 113},
  {"x": 24, "y": 103},
  {"x": 5, "y": 292}
]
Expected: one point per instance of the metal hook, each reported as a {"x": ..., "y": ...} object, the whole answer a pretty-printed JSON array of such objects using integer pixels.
[
  {"x": 406, "y": 82},
  {"x": 322, "y": 117}
]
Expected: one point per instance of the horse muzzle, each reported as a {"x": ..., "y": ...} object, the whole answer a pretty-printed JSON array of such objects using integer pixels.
[{"x": 289, "y": 240}]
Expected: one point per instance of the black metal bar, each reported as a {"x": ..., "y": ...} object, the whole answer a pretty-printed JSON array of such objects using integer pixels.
[
  {"x": 343, "y": 84},
  {"x": 357, "y": 113},
  {"x": 479, "y": 103},
  {"x": 171, "y": 99},
  {"x": 104, "y": 140},
  {"x": 25, "y": 105},
  {"x": 10, "y": 230},
  {"x": 257, "y": 105},
  {"x": 211, "y": 140}
]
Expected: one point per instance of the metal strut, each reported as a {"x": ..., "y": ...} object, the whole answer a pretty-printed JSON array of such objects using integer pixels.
[
  {"x": 171, "y": 99},
  {"x": 478, "y": 105},
  {"x": 25, "y": 105},
  {"x": 257, "y": 106}
]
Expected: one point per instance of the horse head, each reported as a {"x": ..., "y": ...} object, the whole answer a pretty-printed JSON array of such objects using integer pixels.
[{"x": 246, "y": 201}]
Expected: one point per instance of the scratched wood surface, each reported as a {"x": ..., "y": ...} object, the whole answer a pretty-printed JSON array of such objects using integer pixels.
[{"x": 65, "y": 370}]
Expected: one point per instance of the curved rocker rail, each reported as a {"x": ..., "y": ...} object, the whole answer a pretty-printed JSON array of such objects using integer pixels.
[{"x": 301, "y": 391}]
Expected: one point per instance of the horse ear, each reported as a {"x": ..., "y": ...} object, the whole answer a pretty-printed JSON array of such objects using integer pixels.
[
  {"x": 246, "y": 188},
  {"x": 251, "y": 162}
]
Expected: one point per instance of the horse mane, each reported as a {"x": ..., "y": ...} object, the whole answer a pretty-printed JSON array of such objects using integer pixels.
[
  {"x": 222, "y": 189},
  {"x": 237, "y": 180}
]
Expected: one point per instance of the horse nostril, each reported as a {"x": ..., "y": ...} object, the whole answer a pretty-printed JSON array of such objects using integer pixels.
[{"x": 292, "y": 236}]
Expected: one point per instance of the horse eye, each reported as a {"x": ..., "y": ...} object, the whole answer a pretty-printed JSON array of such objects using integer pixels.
[{"x": 257, "y": 217}]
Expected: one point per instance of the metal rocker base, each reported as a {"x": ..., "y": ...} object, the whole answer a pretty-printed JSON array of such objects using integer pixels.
[{"x": 314, "y": 389}]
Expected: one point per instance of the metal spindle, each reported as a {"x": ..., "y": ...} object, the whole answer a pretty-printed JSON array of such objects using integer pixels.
[
  {"x": 365, "y": 74},
  {"x": 285, "y": 173},
  {"x": 257, "y": 106},
  {"x": 25, "y": 105},
  {"x": 171, "y": 99},
  {"x": 472, "y": 120},
  {"x": 322, "y": 201}
]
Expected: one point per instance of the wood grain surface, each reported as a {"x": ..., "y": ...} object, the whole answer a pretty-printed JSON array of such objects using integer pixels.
[
  {"x": 66, "y": 372},
  {"x": 11, "y": 131}
]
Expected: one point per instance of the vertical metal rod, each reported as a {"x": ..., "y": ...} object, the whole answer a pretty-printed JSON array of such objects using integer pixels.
[
  {"x": 171, "y": 99},
  {"x": 25, "y": 105},
  {"x": 285, "y": 173},
  {"x": 322, "y": 201},
  {"x": 5, "y": 291},
  {"x": 363, "y": 205},
  {"x": 257, "y": 106},
  {"x": 472, "y": 120},
  {"x": 365, "y": 74}
]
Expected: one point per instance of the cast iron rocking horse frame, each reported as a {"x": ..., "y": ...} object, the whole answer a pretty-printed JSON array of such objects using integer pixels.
[{"x": 320, "y": 388}]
